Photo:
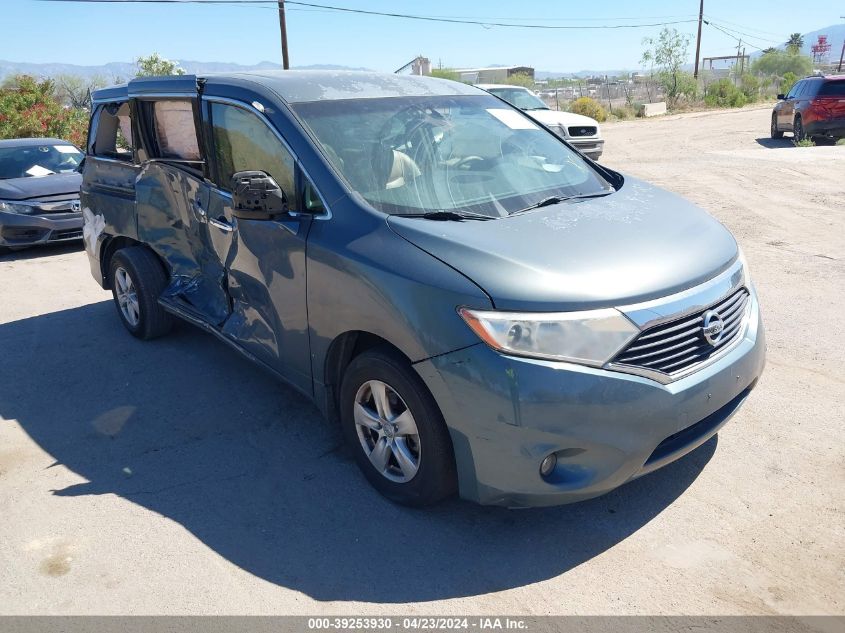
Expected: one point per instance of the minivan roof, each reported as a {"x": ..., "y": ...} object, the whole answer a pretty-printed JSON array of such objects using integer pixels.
[{"x": 297, "y": 86}]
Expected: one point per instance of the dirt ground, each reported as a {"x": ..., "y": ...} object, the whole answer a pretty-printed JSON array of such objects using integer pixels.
[{"x": 174, "y": 477}]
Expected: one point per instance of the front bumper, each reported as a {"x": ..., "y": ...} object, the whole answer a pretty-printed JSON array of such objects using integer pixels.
[
  {"x": 506, "y": 414},
  {"x": 591, "y": 147},
  {"x": 17, "y": 229}
]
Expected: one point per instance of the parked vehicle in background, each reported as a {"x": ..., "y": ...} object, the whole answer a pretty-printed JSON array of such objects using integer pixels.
[
  {"x": 481, "y": 308},
  {"x": 39, "y": 192},
  {"x": 814, "y": 106},
  {"x": 582, "y": 132}
]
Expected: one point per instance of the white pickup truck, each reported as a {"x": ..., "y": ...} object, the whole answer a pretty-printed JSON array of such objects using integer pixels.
[{"x": 580, "y": 131}]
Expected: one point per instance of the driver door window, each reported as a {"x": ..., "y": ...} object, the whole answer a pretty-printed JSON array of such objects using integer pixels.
[{"x": 243, "y": 142}]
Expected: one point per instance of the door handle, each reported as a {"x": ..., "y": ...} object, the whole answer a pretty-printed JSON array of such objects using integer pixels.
[
  {"x": 198, "y": 207},
  {"x": 220, "y": 224}
]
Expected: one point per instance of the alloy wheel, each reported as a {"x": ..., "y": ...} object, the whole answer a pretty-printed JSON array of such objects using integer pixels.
[
  {"x": 387, "y": 431},
  {"x": 127, "y": 297}
]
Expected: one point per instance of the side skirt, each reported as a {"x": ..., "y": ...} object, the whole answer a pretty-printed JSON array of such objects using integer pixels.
[{"x": 187, "y": 315}]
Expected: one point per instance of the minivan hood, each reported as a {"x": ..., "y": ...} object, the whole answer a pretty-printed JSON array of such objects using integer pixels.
[
  {"x": 637, "y": 244},
  {"x": 40, "y": 187},
  {"x": 556, "y": 117}
]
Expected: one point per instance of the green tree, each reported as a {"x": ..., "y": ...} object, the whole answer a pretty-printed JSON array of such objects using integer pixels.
[
  {"x": 667, "y": 52},
  {"x": 778, "y": 63},
  {"x": 445, "y": 73},
  {"x": 155, "y": 65},
  {"x": 29, "y": 108},
  {"x": 75, "y": 91},
  {"x": 787, "y": 82},
  {"x": 795, "y": 43},
  {"x": 520, "y": 79},
  {"x": 770, "y": 49}
]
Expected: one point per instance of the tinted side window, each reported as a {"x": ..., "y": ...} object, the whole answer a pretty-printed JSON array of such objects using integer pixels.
[
  {"x": 175, "y": 130},
  {"x": 832, "y": 89},
  {"x": 796, "y": 89},
  {"x": 243, "y": 142},
  {"x": 113, "y": 136}
]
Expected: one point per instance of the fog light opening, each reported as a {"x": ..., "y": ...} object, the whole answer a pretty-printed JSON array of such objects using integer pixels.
[{"x": 548, "y": 465}]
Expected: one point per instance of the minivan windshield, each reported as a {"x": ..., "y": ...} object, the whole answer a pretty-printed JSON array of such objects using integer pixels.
[
  {"x": 464, "y": 154},
  {"x": 31, "y": 161}
]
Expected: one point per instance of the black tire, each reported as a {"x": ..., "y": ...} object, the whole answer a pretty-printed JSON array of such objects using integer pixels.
[
  {"x": 149, "y": 280},
  {"x": 436, "y": 477},
  {"x": 798, "y": 129},
  {"x": 775, "y": 132}
]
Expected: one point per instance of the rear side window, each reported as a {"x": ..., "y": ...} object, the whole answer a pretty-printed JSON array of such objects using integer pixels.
[
  {"x": 243, "y": 142},
  {"x": 113, "y": 134},
  {"x": 175, "y": 130},
  {"x": 832, "y": 89}
]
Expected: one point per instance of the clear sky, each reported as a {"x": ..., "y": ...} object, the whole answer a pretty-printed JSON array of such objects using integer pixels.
[{"x": 92, "y": 34}]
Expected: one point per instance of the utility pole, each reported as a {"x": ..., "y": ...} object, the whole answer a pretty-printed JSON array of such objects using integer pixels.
[
  {"x": 842, "y": 54},
  {"x": 698, "y": 39},
  {"x": 736, "y": 65},
  {"x": 284, "y": 30}
]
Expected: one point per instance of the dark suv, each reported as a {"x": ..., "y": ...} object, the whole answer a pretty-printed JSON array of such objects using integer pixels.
[{"x": 815, "y": 106}]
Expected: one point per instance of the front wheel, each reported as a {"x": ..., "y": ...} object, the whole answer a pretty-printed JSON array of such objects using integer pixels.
[
  {"x": 395, "y": 430},
  {"x": 775, "y": 132}
]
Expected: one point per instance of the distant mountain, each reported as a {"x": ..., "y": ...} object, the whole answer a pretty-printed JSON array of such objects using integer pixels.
[
  {"x": 120, "y": 71},
  {"x": 835, "y": 37},
  {"x": 554, "y": 74}
]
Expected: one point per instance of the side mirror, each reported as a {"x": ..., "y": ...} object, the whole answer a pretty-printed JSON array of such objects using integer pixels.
[
  {"x": 781, "y": 97},
  {"x": 256, "y": 196}
]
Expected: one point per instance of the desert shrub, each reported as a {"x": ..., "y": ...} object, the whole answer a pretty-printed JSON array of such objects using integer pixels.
[
  {"x": 787, "y": 82},
  {"x": 841, "y": 141},
  {"x": 724, "y": 94},
  {"x": 589, "y": 107},
  {"x": 29, "y": 107},
  {"x": 750, "y": 86},
  {"x": 624, "y": 113},
  {"x": 804, "y": 142},
  {"x": 520, "y": 79}
]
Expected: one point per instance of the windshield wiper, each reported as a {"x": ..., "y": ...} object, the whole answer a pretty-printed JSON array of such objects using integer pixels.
[
  {"x": 545, "y": 202},
  {"x": 449, "y": 215}
]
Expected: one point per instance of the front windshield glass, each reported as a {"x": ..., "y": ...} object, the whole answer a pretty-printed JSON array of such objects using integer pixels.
[
  {"x": 520, "y": 98},
  {"x": 31, "y": 161},
  {"x": 471, "y": 154}
]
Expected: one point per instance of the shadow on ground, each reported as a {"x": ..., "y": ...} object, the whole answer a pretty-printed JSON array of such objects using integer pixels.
[
  {"x": 788, "y": 141},
  {"x": 186, "y": 428},
  {"x": 35, "y": 252}
]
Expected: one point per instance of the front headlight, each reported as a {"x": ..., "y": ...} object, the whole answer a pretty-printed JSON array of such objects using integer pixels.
[
  {"x": 746, "y": 272},
  {"x": 16, "y": 207},
  {"x": 590, "y": 338},
  {"x": 560, "y": 130}
]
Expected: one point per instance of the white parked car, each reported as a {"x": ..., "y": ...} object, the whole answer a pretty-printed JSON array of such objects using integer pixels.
[{"x": 580, "y": 131}]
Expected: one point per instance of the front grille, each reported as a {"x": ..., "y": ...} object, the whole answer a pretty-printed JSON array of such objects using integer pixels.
[
  {"x": 587, "y": 130},
  {"x": 66, "y": 234},
  {"x": 680, "y": 344}
]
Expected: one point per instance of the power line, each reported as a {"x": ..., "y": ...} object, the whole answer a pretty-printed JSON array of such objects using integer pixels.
[
  {"x": 731, "y": 35},
  {"x": 408, "y": 16},
  {"x": 735, "y": 33}
]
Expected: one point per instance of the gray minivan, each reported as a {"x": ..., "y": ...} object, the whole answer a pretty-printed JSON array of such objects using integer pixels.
[{"x": 484, "y": 310}]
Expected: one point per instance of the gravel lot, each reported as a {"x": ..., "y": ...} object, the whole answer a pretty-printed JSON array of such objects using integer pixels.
[{"x": 174, "y": 477}]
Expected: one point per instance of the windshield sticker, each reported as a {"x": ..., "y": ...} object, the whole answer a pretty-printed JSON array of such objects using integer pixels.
[
  {"x": 66, "y": 149},
  {"x": 38, "y": 170},
  {"x": 514, "y": 120}
]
